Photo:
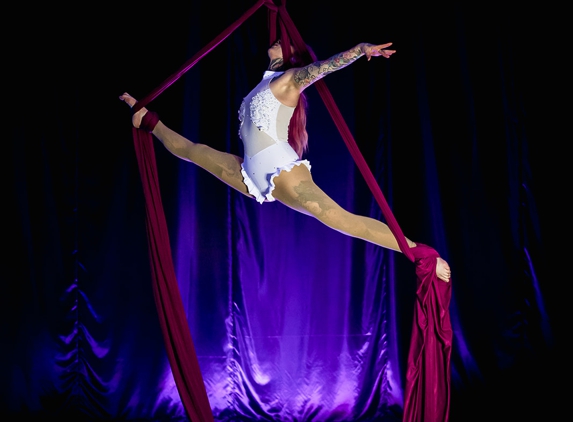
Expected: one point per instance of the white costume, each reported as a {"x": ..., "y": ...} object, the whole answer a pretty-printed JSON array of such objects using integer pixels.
[{"x": 264, "y": 132}]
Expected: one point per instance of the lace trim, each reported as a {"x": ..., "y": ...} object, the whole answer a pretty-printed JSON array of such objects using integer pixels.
[
  {"x": 242, "y": 112},
  {"x": 263, "y": 107},
  {"x": 254, "y": 190}
]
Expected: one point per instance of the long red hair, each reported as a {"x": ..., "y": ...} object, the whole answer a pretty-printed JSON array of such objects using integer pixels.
[{"x": 297, "y": 134}]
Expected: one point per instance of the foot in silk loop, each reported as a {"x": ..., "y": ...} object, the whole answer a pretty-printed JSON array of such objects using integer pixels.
[
  {"x": 149, "y": 121},
  {"x": 137, "y": 117},
  {"x": 443, "y": 270}
]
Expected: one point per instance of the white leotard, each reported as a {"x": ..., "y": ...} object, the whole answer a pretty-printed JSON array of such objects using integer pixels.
[{"x": 264, "y": 132}]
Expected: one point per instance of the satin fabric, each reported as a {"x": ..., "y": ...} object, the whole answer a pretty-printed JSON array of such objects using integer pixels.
[
  {"x": 428, "y": 376},
  {"x": 427, "y": 395}
]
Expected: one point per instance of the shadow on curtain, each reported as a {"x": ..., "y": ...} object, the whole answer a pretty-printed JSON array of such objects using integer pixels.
[{"x": 289, "y": 319}]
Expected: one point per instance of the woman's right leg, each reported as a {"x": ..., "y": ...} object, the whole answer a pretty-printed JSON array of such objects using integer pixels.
[
  {"x": 297, "y": 190},
  {"x": 226, "y": 167}
]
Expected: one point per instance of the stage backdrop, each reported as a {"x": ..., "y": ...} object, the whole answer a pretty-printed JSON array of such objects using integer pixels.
[{"x": 291, "y": 321}]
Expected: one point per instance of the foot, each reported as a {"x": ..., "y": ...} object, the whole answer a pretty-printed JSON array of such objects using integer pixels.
[
  {"x": 130, "y": 101},
  {"x": 443, "y": 270}
]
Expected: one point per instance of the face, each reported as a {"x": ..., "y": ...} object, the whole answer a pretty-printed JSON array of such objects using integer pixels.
[{"x": 275, "y": 51}]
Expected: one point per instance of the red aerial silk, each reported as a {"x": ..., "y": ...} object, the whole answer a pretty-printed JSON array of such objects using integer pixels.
[
  {"x": 427, "y": 392},
  {"x": 427, "y": 395}
]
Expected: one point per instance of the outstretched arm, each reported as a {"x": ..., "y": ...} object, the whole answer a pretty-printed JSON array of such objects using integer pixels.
[
  {"x": 288, "y": 87},
  {"x": 307, "y": 75}
]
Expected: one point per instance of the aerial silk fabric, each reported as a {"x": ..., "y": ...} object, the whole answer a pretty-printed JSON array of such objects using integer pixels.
[
  {"x": 427, "y": 390},
  {"x": 427, "y": 395},
  {"x": 178, "y": 342}
]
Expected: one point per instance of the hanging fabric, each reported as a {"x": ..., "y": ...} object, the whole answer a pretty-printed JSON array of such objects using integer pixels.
[{"x": 427, "y": 392}]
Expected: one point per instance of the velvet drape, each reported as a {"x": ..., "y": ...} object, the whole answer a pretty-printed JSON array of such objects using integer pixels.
[
  {"x": 428, "y": 380},
  {"x": 289, "y": 320}
]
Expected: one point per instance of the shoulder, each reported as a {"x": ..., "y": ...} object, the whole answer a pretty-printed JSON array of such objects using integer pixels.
[
  {"x": 285, "y": 89},
  {"x": 286, "y": 80}
]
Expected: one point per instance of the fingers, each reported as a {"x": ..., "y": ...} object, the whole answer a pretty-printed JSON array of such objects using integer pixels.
[
  {"x": 381, "y": 47},
  {"x": 380, "y": 50}
]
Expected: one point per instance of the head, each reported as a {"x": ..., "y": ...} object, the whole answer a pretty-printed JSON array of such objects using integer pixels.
[
  {"x": 276, "y": 53},
  {"x": 275, "y": 50}
]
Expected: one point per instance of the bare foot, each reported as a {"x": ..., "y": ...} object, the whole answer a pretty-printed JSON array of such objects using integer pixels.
[
  {"x": 443, "y": 270},
  {"x": 130, "y": 101}
]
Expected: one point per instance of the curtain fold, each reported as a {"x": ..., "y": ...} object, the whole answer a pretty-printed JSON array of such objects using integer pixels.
[
  {"x": 463, "y": 140},
  {"x": 422, "y": 402},
  {"x": 419, "y": 402}
]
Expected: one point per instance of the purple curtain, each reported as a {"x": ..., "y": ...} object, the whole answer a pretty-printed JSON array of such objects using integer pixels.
[
  {"x": 315, "y": 326},
  {"x": 427, "y": 386}
]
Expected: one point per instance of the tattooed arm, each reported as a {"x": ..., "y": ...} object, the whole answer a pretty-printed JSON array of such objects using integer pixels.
[
  {"x": 288, "y": 87},
  {"x": 306, "y": 76}
]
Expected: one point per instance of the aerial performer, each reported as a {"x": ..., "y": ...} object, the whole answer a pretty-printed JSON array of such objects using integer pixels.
[{"x": 273, "y": 131}]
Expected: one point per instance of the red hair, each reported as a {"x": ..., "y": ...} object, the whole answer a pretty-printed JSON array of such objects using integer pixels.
[{"x": 297, "y": 135}]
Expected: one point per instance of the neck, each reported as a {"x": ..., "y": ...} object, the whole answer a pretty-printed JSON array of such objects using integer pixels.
[{"x": 275, "y": 64}]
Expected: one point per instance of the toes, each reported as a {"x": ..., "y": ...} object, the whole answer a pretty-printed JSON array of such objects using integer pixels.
[{"x": 128, "y": 99}]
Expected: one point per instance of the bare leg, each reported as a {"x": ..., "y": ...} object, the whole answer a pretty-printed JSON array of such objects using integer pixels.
[
  {"x": 226, "y": 167},
  {"x": 297, "y": 190}
]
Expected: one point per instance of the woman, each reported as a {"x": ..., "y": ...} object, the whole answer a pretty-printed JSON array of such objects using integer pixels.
[{"x": 273, "y": 132}]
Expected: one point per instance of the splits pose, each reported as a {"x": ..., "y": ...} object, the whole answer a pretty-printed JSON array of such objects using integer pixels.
[{"x": 272, "y": 128}]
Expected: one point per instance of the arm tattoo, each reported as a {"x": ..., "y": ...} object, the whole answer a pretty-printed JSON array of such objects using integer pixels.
[
  {"x": 276, "y": 63},
  {"x": 315, "y": 71}
]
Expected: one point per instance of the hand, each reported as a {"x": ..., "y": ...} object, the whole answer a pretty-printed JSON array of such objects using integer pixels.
[{"x": 371, "y": 50}]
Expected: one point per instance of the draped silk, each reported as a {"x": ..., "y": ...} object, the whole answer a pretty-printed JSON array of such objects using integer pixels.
[{"x": 427, "y": 392}]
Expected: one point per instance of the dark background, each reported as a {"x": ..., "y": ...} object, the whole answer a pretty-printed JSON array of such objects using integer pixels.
[{"x": 501, "y": 148}]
